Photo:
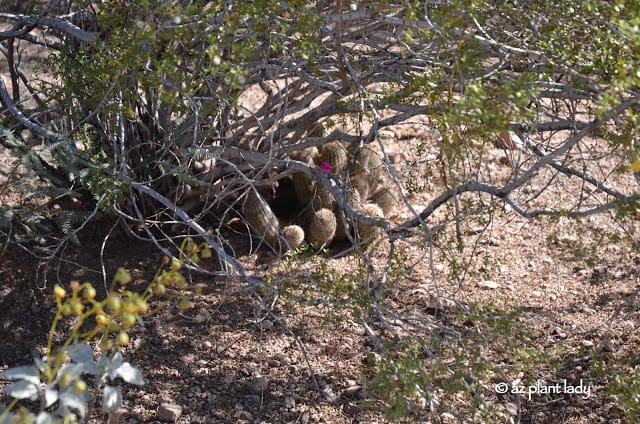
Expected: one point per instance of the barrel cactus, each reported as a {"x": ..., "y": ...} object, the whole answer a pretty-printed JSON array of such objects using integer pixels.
[
  {"x": 361, "y": 183},
  {"x": 304, "y": 185},
  {"x": 322, "y": 198},
  {"x": 260, "y": 217},
  {"x": 386, "y": 200},
  {"x": 367, "y": 231},
  {"x": 294, "y": 235},
  {"x": 322, "y": 227},
  {"x": 368, "y": 164},
  {"x": 334, "y": 154}
]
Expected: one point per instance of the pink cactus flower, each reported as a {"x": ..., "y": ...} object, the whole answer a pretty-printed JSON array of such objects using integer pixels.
[{"x": 326, "y": 166}]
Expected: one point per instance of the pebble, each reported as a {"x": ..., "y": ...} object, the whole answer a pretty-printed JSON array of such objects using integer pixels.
[
  {"x": 328, "y": 394},
  {"x": 587, "y": 343},
  {"x": 289, "y": 402},
  {"x": 488, "y": 284},
  {"x": 446, "y": 418},
  {"x": 79, "y": 273},
  {"x": 512, "y": 408},
  {"x": 170, "y": 412},
  {"x": 442, "y": 303},
  {"x": 258, "y": 385}
]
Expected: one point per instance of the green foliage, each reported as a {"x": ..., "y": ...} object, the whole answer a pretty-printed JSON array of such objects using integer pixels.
[
  {"x": 420, "y": 377},
  {"x": 626, "y": 389},
  {"x": 59, "y": 379}
]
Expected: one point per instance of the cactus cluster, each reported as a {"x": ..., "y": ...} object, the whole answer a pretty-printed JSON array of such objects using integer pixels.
[
  {"x": 317, "y": 218},
  {"x": 260, "y": 217}
]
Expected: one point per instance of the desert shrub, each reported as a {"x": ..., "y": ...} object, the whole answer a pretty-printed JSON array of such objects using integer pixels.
[{"x": 189, "y": 117}]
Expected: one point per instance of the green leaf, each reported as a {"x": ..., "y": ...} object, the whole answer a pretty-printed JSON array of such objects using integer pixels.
[
  {"x": 130, "y": 374},
  {"x": 46, "y": 418},
  {"x": 22, "y": 390},
  {"x": 28, "y": 373},
  {"x": 72, "y": 400},
  {"x": 111, "y": 399}
]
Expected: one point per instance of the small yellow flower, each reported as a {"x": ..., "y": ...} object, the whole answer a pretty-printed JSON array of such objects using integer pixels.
[
  {"x": 176, "y": 264},
  {"x": 113, "y": 303},
  {"x": 122, "y": 338},
  {"x": 159, "y": 289},
  {"x": 185, "y": 304},
  {"x": 106, "y": 345},
  {"x": 206, "y": 253},
  {"x": 129, "y": 307},
  {"x": 66, "y": 310},
  {"x": 79, "y": 386},
  {"x": 179, "y": 281},
  {"x": 65, "y": 380},
  {"x": 101, "y": 319},
  {"x": 128, "y": 320},
  {"x": 77, "y": 307},
  {"x": 89, "y": 293},
  {"x": 59, "y": 292},
  {"x": 122, "y": 276},
  {"x": 141, "y": 306}
]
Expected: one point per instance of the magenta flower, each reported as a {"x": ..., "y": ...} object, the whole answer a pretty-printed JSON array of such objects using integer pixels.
[{"x": 326, "y": 166}]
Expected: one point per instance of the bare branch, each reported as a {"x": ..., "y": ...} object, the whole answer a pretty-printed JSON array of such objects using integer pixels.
[{"x": 28, "y": 22}]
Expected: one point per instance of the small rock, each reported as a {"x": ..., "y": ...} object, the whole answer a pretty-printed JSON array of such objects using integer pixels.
[
  {"x": 330, "y": 349},
  {"x": 258, "y": 385},
  {"x": 513, "y": 409},
  {"x": 244, "y": 415},
  {"x": 207, "y": 344},
  {"x": 442, "y": 303},
  {"x": 536, "y": 293},
  {"x": 169, "y": 412},
  {"x": 328, "y": 394},
  {"x": 304, "y": 419},
  {"x": 202, "y": 316},
  {"x": 137, "y": 344},
  {"x": 289, "y": 402},
  {"x": 446, "y": 418},
  {"x": 587, "y": 343},
  {"x": 353, "y": 392},
  {"x": 488, "y": 284},
  {"x": 79, "y": 273},
  {"x": 558, "y": 332}
]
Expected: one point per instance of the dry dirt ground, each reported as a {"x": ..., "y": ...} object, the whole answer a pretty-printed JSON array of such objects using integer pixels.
[{"x": 232, "y": 358}]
